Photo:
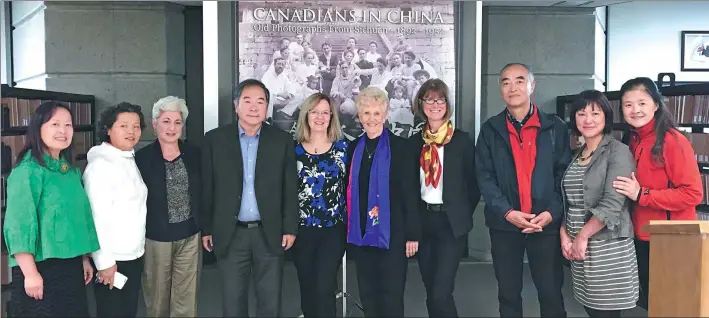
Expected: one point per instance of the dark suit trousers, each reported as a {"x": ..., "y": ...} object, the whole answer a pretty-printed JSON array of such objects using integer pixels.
[
  {"x": 439, "y": 256},
  {"x": 381, "y": 277},
  {"x": 318, "y": 255},
  {"x": 544, "y": 256},
  {"x": 120, "y": 302},
  {"x": 249, "y": 251},
  {"x": 642, "y": 251}
]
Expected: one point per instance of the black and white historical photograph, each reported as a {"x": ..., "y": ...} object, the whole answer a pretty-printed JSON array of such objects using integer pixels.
[{"x": 298, "y": 48}]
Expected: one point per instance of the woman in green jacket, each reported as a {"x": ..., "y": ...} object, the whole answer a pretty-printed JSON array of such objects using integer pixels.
[{"x": 49, "y": 230}]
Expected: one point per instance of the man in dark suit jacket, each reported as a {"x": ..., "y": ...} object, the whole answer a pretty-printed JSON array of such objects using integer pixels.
[
  {"x": 520, "y": 157},
  {"x": 250, "y": 213}
]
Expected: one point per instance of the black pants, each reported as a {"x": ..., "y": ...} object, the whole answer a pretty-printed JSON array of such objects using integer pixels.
[
  {"x": 64, "y": 293},
  {"x": 120, "y": 302},
  {"x": 439, "y": 256},
  {"x": 381, "y": 277},
  {"x": 318, "y": 254},
  {"x": 249, "y": 252},
  {"x": 602, "y": 313},
  {"x": 544, "y": 256},
  {"x": 642, "y": 251}
]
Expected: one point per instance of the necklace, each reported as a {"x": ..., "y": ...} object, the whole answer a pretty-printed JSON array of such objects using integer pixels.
[
  {"x": 582, "y": 158},
  {"x": 369, "y": 154}
]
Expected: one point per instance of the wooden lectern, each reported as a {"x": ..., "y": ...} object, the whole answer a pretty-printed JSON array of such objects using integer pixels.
[{"x": 679, "y": 269}]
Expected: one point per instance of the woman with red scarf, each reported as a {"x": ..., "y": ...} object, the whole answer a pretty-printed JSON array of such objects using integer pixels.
[
  {"x": 667, "y": 185},
  {"x": 449, "y": 195}
]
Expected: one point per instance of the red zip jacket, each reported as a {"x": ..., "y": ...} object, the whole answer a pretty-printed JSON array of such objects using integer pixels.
[
  {"x": 670, "y": 191},
  {"x": 524, "y": 153}
]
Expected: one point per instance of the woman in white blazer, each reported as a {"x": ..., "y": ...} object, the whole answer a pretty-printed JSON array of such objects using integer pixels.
[{"x": 118, "y": 203}]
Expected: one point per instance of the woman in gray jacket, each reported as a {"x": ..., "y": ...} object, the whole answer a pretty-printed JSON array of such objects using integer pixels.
[{"x": 597, "y": 235}]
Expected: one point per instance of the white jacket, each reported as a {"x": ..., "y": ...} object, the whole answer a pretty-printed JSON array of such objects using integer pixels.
[{"x": 118, "y": 203}]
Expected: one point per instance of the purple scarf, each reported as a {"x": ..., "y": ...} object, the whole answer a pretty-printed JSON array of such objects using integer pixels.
[{"x": 377, "y": 231}]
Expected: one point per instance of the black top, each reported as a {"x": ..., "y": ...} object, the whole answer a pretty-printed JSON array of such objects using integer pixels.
[
  {"x": 460, "y": 186},
  {"x": 171, "y": 184},
  {"x": 370, "y": 145},
  {"x": 322, "y": 185},
  {"x": 403, "y": 188}
]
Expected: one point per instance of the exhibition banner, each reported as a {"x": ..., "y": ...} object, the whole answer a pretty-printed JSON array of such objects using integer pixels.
[{"x": 338, "y": 48}]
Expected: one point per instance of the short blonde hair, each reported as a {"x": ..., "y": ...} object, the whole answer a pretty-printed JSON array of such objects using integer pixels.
[
  {"x": 302, "y": 131},
  {"x": 371, "y": 95},
  {"x": 170, "y": 104}
]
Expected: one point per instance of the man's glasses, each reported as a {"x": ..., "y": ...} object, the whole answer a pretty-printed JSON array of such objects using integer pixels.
[
  {"x": 439, "y": 101},
  {"x": 316, "y": 113}
]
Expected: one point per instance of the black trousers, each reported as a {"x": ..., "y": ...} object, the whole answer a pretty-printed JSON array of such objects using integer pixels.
[
  {"x": 64, "y": 293},
  {"x": 317, "y": 256},
  {"x": 544, "y": 256},
  {"x": 642, "y": 252},
  {"x": 601, "y": 313},
  {"x": 249, "y": 252},
  {"x": 120, "y": 302},
  {"x": 381, "y": 277},
  {"x": 438, "y": 258}
]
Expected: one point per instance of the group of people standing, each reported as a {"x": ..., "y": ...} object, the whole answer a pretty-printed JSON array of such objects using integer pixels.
[
  {"x": 591, "y": 205},
  {"x": 131, "y": 221},
  {"x": 251, "y": 192}
]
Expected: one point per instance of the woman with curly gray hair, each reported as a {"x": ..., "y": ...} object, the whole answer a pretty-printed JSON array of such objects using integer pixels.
[{"x": 171, "y": 171}]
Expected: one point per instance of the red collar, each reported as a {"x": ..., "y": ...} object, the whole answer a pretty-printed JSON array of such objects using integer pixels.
[{"x": 647, "y": 130}]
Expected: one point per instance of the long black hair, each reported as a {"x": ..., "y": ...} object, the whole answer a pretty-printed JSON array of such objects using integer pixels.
[
  {"x": 33, "y": 140},
  {"x": 664, "y": 122}
]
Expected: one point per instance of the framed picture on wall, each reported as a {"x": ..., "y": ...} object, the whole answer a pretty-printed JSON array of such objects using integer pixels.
[
  {"x": 297, "y": 48},
  {"x": 695, "y": 51}
]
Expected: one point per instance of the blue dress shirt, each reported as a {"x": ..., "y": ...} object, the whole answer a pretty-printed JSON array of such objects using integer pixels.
[{"x": 249, "y": 146}]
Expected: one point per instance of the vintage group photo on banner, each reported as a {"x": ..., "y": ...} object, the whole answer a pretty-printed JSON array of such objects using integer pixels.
[{"x": 338, "y": 48}]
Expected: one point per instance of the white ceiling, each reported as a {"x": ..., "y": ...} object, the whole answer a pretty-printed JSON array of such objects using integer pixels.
[{"x": 597, "y": 3}]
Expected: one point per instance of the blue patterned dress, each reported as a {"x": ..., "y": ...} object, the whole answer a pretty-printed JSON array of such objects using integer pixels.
[{"x": 322, "y": 185}]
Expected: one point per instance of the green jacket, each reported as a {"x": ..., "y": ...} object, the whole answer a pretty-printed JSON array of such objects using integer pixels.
[{"x": 48, "y": 213}]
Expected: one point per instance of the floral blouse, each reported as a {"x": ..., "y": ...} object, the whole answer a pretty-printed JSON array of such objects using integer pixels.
[{"x": 321, "y": 191}]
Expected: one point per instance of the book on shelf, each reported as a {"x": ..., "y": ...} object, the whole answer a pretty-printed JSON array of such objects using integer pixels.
[
  {"x": 16, "y": 112},
  {"x": 689, "y": 109}
]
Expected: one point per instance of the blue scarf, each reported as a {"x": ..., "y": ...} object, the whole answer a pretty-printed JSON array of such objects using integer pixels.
[{"x": 377, "y": 231}]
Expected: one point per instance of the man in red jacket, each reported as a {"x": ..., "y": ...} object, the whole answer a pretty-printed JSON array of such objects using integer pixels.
[{"x": 521, "y": 155}]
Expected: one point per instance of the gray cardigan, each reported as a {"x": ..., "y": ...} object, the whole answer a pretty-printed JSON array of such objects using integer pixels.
[{"x": 611, "y": 159}]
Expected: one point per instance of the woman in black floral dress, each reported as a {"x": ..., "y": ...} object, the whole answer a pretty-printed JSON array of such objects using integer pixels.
[{"x": 321, "y": 156}]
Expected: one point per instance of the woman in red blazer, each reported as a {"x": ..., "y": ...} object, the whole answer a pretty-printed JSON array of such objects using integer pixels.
[{"x": 667, "y": 185}]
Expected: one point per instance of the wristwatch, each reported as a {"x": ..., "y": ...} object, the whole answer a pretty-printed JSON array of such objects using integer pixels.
[{"x": 642, "y": 191}]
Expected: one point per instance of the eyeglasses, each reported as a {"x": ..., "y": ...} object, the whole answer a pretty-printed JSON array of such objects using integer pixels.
[
  {"x": 316, "y": 113},
  {"x": 439, "y": 101}
]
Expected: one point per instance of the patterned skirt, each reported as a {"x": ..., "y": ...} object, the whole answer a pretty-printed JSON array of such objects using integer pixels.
[{"x": 64, "y": 291}]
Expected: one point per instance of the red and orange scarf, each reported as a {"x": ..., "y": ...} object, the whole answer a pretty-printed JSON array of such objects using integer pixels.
[{"x": 430, "y": 162}]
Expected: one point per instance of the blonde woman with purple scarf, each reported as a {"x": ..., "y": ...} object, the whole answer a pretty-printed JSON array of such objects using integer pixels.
[{"x": 384, "y": 224}]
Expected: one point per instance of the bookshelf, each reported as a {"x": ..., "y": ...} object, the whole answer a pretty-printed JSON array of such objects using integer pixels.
[
  {"x": 17, "y": 104},
  {"x": 689, "y": 105}
]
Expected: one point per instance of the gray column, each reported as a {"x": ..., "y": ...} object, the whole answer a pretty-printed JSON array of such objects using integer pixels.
[
  {"x": 468, "y": 42},
  {"x": 557, "y": 43},
  {"x": 117, "y": 51}
]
